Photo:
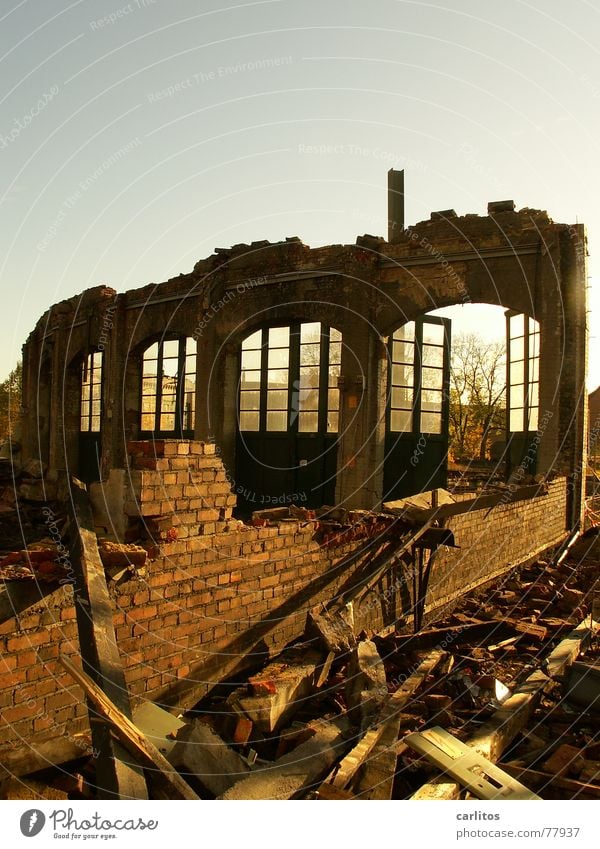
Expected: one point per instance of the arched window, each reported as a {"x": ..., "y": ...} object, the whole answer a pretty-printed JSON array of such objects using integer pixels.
[
  {"x": 169, "y": 388},
  {"x": 91, "y": 393}
]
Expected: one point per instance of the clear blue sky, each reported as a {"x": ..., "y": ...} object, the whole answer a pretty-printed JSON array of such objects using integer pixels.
[{"x": 137, "y": 136}]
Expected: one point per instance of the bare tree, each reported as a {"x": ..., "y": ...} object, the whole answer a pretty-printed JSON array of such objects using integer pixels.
[
  {"x": 477, "y": 393},
  {"x": 10, "y": 402}
]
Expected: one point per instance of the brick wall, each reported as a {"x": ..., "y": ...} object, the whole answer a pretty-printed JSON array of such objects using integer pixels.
[{"x": 219, "y": 595}]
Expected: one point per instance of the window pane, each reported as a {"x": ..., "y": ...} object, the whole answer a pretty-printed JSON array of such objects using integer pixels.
[
  {"x": 167, "y": 404},
  {"x": 97, "y": 360},
  {"x": 309, "y": 399},
  {"x": 277, "y": 378},
  {"x": 250, "y": 379},
  {"x": 406, "y": 332},
  {"x": 150, "y": 367},
  {"x": 534, "y": 394},
  {"x": 402, "y": 397},
  {"x": 167, "y": 421},
  {"x": 96, "y": 389},
  {"x": 149, "y": 386},
  {"x": 534, "y": 369},
  {"x": 249, "y": 421},
  {"x": 533, "y": 325},
  {"x": 95, "y": 408},
  {"x": 334, "y": 373},
  {"x": 279, "y": 337},
  {"x": 433, "y": 334},
  {"x": 85, "y": 392},
  {"x": 170, "y": 367},
  {"x": 151, "y": 353},
  {"x": 147, "y": 422},
  {"x": 277, "y": 421},
  {"x": 171, "y": 349},
  {"x": 279, "y": 358},
  {"x": 401, "y": 421},
  {"x": 335, "y": 335},
  {"x": 517, "y": 349},
  {"x": 253, "y": 341},
  {"x": 251, "y": 360},
  {"x": 517, "y": 395},
  {"x": 533, "y": 419},
  {"x": 310, "y": 355},
  {"x": 85, "y": 409},
  {"x": 250, "y": 401},
  {"x": 333, "y": 399},
  {"x": 433, "y": 356},
  {"x": 433, "y": 378},
  {"x": 431, "y": 401},
  {"x": 190, "y": 364},
  {"x": 534, "y": 345},
  {"x": 310, "y": 332},
  {"x": 431, "y": 423},
  {"x": 517, "y": 372},
  {"x": 516, "y": 421},
  {"x": 95, "y": 424},
  {"x": 335, "y": 353},
  {"x": 85, "y": 424},
  {"x": 308, "y": 422},
  {"x": 148, "y": 403},
  {"x": 403, "y": 352},
  {"x": 191, "y": 346},
  {"x": 402, "y": 375},
  {"x": 277, "y": 399},
  {"x": 309, "y": 376},
  {"x": 332, "y": 422},
  {"x": 516, "y": 324}
]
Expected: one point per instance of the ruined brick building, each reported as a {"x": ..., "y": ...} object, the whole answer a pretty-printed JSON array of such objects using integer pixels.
[{"x": 274, "y": 374}]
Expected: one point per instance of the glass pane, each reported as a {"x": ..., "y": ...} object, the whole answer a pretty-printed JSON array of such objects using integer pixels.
[
  {"x": 534, "y": 369},
  {"x": 402, "y": 375},
  {"x": 250, "y": 360},
  {"x": 431, "y": 423},
  {"x": 515, "y": 423},
  {"x": 517, "y": 396},
  {"x": 97, "y": 360},
  {"x": 335, "y": 335},
  {"x": 190, "y": 383},
  {"x": 149, "y": 386},
  {"x": 403, "y": 352},
  {"x": 85, "y": 424},
  {"x": 310, "y": 355},
  {"x": 433, "y": 356},
  {"x": 95, "y": 408},
  {"x": 401, "y": 421},
  {"x": 533, "y": 419},
  {"x": 433, "y": 334},
  {"x": 96, "y": 389},
  {"x": 310, "y": 332},
  {"x": 277, "y": 421},
  {"x": 431, "y": 401},
  {"x": 533, "y": 325},
  {"x": 432, "y": 378},
  {"x": 308, "y": 422},
  {"x": 167, "y": 404},
  {"x": 332, "y": 422},
  {"x": 406, "y": 332},
  {"x": 309, "y": 376},
  {"x": 333, "y": 399},
  {"x": 147, "y": 422},
  {"x": 402, "y": 398},
  {"x": 309, "y": 399},
  {"x": 517, "y": 372},
  {"x": 250, "y": 379},
  {"x": 516, "y": 324},
  {"x": 95, "y": 424},
  {"x": 253, "y": 341},
  {"x": 85, "y": 392},
  {"x": 85, "y": 409},
  {"x": 151, "y": 353},
  {"x": 171, "y": 349},
  {"x": 249, "y": 400},
  {"x": 170, "y": 367},
  {"x": 167, "y": 421},
  {"x": 334, "y": 373},
  {"x": 191, "y": 346},
  {"x": 249, "y": 421},
  {"x": 148, "y": 403},
  {"x": 534, "y": 394},
  {"x": 277, "y": 378},
  {"x": 150, "y": 367},
  {"x": 335, "y": 353},
  {"x": 517, "y": 349},
  {"x": 277, "y": 399},
  {"x": 279, "y": 337},
  {"x": 279, "y": 358},
  {"x": 190, "y": 364}
]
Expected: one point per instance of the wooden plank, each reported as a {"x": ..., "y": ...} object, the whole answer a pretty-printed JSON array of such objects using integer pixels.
[
  {"x": 494, "y": 737},
  {"x": 467, "y": 766},
  {"x": 27, "y": 759},
  {"x": 389, "y": 719},
  {"x": 481, "y": 502},
  {"x": 130, "y": 736},
  {"x": 116, "y": 775},
  {"x": 539, "y": 779}
]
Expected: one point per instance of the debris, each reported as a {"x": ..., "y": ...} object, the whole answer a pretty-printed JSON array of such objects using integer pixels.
[
  {"x": 366, "y": 686},
  {"x": 583, "y": 686},
  {"x": 331, "y": 629},
  {"x": 200, "y": 752}
]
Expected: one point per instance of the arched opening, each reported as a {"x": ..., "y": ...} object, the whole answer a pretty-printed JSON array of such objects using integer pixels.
[
  {"x": 288, "y": 415},
  {"x": 168, "y": 388}
]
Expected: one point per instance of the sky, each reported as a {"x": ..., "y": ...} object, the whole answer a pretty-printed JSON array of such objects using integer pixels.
[{"x": 135, "y": 137}]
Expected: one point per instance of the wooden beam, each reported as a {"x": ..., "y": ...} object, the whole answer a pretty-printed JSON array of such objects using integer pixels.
[
  {"x": 388, "y": 722},
  {"x": 480, "y": 502},
  {"x": 28, "y": 758},
  {"x": 130, "y": 736},
  {"x": 538, "y": 779},
  {"x": 116, "y": 775},
  {"x": 494, "y": 737}
]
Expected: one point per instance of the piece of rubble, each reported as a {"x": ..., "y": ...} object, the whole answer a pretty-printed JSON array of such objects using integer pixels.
[
  {"x": 366, "y": 684},
  {"x": 200, "y": 752}
]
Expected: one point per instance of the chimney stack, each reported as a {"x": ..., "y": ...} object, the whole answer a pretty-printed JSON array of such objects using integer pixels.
[{"x": 395, "y": 205}]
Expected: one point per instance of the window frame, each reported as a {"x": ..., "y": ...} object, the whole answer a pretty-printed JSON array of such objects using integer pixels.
[{"x": 179, "y": 413}]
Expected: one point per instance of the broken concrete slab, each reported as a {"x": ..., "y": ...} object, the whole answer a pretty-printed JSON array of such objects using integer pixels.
[
  {"x": 198, "y": 751},
  {"x": 331, "y": 629},
  {"x": 366, "y": 685}
]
